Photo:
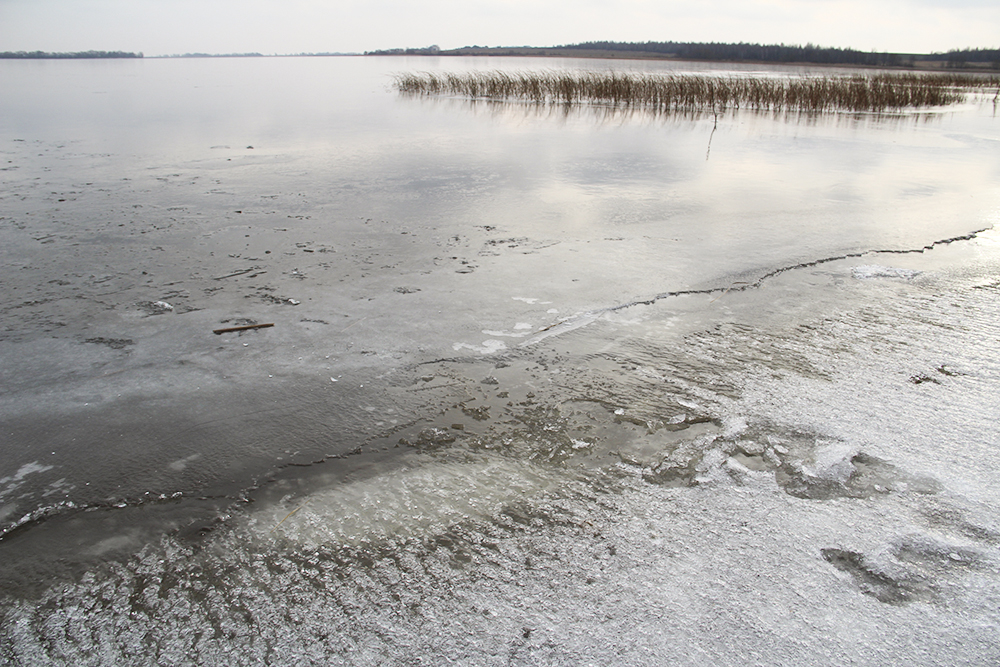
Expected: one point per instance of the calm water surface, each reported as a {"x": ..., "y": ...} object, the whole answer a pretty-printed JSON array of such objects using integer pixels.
[{"x": 544, "y": 385}]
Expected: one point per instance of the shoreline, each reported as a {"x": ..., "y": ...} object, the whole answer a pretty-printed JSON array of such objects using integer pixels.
[
  {"x": 916, "y": 65},
  {"x": 923, "y": 66},
  {"x": 440, "y": 405}
]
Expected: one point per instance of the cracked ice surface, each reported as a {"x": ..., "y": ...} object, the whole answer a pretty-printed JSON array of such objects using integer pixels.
[{"x": 751, "y": 417}]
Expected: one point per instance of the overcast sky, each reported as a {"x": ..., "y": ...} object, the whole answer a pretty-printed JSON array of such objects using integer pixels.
[{"x": 160, "y": 27}]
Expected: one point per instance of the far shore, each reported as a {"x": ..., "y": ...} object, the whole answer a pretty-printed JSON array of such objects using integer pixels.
[
  {"x": 967, "y": 61},
  {"x": 917, "y": 65}
]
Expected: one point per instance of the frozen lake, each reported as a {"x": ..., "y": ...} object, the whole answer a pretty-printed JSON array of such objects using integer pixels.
[{"x": 544, "y": 386}]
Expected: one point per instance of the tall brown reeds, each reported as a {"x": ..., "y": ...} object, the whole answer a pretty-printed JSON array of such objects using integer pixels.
[{"x": 673, "y": 92}]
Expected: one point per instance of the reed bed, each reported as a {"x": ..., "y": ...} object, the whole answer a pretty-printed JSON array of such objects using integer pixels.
[{"x": 673, "y": 92}]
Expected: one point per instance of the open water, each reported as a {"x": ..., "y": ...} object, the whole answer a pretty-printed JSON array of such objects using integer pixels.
[{"x": 543, "y": 386}]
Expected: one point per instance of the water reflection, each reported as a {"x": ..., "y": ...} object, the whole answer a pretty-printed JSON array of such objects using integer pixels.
[{"x": 517, "y": 110}]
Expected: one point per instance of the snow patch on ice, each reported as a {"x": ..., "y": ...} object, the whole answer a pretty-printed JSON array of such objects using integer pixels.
[
  {"x": 832, "y": 463},
  {"x": 26, "y": 470},
  {"x": 871, "y": 271},
  {"x": 415, "y": 502},
  {"x": 488, "y": 347},
  {"x": 180, "y": 464},
  {"x": 521, "y": 329},
  {"x": 14, "y": 481},
  {"x": 568, "y": 324}
]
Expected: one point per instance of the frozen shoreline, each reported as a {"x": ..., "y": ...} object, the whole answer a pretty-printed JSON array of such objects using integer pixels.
[
  {"x": 223, "y": 398},
  {"x": 643, "y": 542},
  {"x": 541, "y": 388}
]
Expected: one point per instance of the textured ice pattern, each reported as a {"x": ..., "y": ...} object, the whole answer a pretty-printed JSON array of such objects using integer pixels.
[{"x": 766, "y": 495}]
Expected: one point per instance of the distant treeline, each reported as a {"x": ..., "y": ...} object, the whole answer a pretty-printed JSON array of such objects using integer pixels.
[
  {"x": 803, "y": 54},
  {"x": 779, "y": 53},
  {"x": 770, "y": 53},
  {"x": 216, "y": 55},
  {"x": 75, "y": 54},
  {"x": 965, "y": 57}
]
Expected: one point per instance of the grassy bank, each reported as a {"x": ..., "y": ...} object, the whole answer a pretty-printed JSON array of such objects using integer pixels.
[{"x": 671, "y": 92}]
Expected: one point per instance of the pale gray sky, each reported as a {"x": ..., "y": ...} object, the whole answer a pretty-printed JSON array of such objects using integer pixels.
[{"x": 158, "y": 27}]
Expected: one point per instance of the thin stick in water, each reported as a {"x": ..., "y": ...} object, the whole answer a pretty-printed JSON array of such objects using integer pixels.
[
  {"x": 243, "y": 328},
  {"x": 288, "y": 515}
]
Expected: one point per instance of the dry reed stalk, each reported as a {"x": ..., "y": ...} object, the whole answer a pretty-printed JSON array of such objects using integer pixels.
[
  {"x": 245, "y": 327},
  {"x": 674, "y": 92}
]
